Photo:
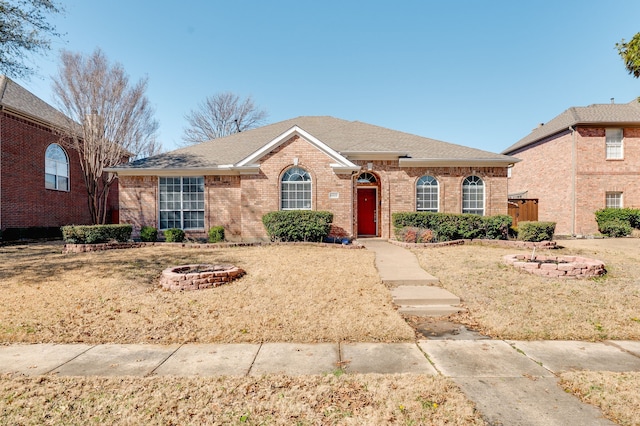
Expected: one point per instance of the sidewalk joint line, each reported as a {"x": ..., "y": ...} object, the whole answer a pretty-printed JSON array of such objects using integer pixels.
[
  {"x": 163, "y": 361},
  {"x": 254, "y": 359},
  {"x": 69, "y": 360}
]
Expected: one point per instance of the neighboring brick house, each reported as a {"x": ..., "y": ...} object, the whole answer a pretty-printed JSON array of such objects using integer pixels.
[
  {"x": 360, "y": 172},
  {"x": 41, "y": 182},
  {"x": 585, "y": 159}
]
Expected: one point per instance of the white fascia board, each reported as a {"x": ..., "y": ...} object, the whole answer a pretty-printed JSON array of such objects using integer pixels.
[
  {"x": 374, "y": 155},
  {"x": 339, "y": 169},
  {"x": 457, "y": 162},
  {"x": 208, "y": 171},
  {"x": 255, "y": 157}
]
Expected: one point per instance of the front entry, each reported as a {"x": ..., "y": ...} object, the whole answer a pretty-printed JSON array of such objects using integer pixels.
[{"x": 367, "y": 212}]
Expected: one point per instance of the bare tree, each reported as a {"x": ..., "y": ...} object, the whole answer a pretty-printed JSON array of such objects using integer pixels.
[
  {"x": 109, "y": 120},
  {"x": 221, "y": 115},
  {"x": 24, "y": 29}
]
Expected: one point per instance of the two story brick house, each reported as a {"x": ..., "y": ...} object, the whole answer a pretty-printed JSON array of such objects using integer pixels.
[
  {"x": 360, "y": 172},
  {"x": 41, "y": 182},
  {"x": 583, "y": 160}
]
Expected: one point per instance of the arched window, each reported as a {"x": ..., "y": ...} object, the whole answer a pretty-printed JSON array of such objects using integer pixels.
[
  {"x": 367, "y": 177},
  {"x": 295, "y": 190},
  {"x": 427, "y": 194},
  {"x": 56, "y": 168},
  {"x": 473, "y": 195}
]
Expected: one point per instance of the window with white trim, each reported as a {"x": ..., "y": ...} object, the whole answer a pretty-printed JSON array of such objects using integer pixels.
[
  {"x": 181, "y": 202},
  {"x": 614, "y": 144},
  {"x": 473, "y": 195},
  {"x": 295, "y": 190},
  {"x": 427, "y": 194},
  {"x": 56, "y": 168},
  {"x": 613, "y": 200}
]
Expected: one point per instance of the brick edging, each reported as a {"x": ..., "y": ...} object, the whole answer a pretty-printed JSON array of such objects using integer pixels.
[
  {"x": 479, "y": 241},
  {"x": 85, "y": 248}
]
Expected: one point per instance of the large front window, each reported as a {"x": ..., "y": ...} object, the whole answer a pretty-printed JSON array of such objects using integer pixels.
[
  {"x": 427, "y": 194},
  {"x": 182, "y": 202},
  {"x": 614, "y": 144},
  {"x": 295, "y": 190},
  {"x": 56, "y": 168},
  {"x": 473, "y": 195}
]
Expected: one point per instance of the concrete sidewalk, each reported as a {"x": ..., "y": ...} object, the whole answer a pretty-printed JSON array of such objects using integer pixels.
[{"x": 510, "y": 382}]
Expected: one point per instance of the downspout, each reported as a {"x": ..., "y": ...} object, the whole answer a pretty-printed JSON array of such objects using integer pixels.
[{"x": 573, "y": 179}]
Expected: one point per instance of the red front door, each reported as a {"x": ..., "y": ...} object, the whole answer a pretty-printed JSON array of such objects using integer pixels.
[{"x": 367, "y": 211}]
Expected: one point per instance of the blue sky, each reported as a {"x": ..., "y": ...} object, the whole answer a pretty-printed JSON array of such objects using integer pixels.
[{"x": 475, "y": 73}]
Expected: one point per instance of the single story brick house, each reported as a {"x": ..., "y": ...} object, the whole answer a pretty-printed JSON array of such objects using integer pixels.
[
  {"x": 360, "y": 172},
  {"x": 41, "y": 182},
  {"x": 585, "y": 159}
]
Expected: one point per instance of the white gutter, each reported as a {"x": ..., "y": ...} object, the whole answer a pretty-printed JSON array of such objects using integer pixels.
[{"x": 457, "y": 162}]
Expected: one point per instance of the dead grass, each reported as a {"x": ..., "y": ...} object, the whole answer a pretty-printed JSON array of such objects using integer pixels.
[
  {"x": 290, "y": 294},
  {"x": 616, "y": 394},
  {"x": 511, "y": 304},
  {"x": 268, "y": 400}
]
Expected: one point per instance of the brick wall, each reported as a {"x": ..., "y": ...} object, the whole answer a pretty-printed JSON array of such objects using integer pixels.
[
  {"x": 546, "y": 172},
  {"x": 239, "y": 202},
  {"x": 24, "y": 201}
]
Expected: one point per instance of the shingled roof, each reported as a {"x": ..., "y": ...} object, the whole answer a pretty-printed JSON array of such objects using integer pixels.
[
  {"x": 600, "y": 114},
  {"x": 19, "y": 100},
  {"x": 350, "y": 139}
]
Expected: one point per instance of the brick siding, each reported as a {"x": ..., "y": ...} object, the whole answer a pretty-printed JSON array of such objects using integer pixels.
[
  {"x": 239, "y": 202},
  {"x": 546, "y": 173},
  {"x": 24, "y": 200}
]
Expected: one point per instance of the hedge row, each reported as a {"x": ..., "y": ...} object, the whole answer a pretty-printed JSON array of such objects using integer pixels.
[
  {"x": 95, "y": 234},
  {"x": 448, "y": 226},
  {"x": 536, "y": 231},
  {"x": 618, "y": 222},
  {"x": 298, "y": 225}
]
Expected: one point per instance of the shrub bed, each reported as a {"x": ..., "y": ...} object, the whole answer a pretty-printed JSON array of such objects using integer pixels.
[
  {"x": 298, "y": 225},
  {"x": 536, "y": 231},
  {"x": 95, "y": 234},
  {"x": 617, "y": 222},
  {"x": 448, "y": 226}
]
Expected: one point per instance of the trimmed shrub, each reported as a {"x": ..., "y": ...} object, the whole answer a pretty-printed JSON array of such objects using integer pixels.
[
  {"x": 216, "y": 234},
  {"x": 615, "y": 228},
  {"x": 447, "y": 226},
  {"x": 298, "y": 225},
  {"x": 536, "y": 231},
  {"x": 95, "y": 234},
  {"x": 630, "y": 216},
  {"x": 411, "y": 234},
  {"x": 149, "y": 234},
  {"x": 174, "y": 235}
]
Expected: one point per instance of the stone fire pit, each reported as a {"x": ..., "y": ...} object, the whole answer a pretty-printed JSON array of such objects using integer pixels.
[
  {"x": 198, "y": 277},
  {"x": 557, "y": 266}
]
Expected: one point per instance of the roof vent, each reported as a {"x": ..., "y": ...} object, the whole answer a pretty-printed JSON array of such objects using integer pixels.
[{"x": 613, "y": 100}]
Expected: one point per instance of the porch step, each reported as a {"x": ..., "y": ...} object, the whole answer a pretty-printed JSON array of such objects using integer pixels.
[
  {"x": 423, "y": 295},
  {"x": 430, "y": 310}
]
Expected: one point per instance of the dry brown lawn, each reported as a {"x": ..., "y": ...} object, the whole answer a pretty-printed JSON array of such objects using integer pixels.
[
  {"x": 511, "y": 304},
  {"x": 291, "y": 293},
  {"x": 270, "y": 400},
  {"x": 616, "y": 394}
]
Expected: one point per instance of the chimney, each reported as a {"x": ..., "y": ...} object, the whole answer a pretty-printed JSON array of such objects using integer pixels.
[{"x": 613, "y": 101}]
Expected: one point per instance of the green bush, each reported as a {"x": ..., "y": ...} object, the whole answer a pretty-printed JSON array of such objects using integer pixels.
[
  {"x": 448, "y": 226},
  {"x": 630, "y": 216},
  {"x": 615, "y": 228},
  {"x": 298, "y": 225},
  {"x": 95, "y": 234},
  {"x": 216, "y": 234},
  {"x": 149, "y": 234},
  {"x": 536, "y": 231},
  {"x": 174, "y": 235}
]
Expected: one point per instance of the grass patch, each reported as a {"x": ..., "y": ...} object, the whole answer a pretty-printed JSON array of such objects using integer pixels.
[
  {"x": 268, "y": 400},
  {"x": 616, "y": 394},
  {"x": 510, "y": 304},
  {"x": 290, "y": 294}
]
